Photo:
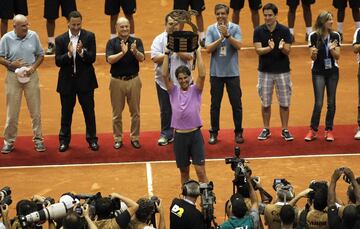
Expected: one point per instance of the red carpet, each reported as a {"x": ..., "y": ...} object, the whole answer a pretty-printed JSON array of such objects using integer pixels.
[{"x": 24, "y": 153}]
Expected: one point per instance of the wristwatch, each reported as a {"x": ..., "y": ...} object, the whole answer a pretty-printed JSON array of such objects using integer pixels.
[
  {"x": 167, "y": 53},
  {"x": 227, "y": 36}
]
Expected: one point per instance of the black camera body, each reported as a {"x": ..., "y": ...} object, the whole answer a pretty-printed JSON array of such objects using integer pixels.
[
  {"x": 208, "y": 199},
  {"x": 240, "y": 171},
  {"x": 278, "y": 181}
]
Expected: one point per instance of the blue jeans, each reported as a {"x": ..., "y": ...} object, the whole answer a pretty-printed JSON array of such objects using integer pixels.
[
  {"x": 234, "y": 92},
  {"x": 320, "y": 82},
  {"x": 165, "y": 112}
]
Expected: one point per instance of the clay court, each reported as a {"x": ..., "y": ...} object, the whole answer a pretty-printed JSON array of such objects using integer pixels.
[{"x": 133, "y": 179}]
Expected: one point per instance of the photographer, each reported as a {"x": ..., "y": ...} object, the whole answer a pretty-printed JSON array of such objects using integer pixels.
[
  {"x": 284, "y": 194},
  {"x": 314, "y": 215},
  {"x": 183, "y": 212},
  {"x": 105, "y": 216},
  {"x": 25, "y": 207},
  {"x": 75, "y": 219},
  {"x": 287, "y": 217},
  {"x": 350, "y": 219},
  {"x": 241, "y": 216},
  {"x": 145, "y": 213}
]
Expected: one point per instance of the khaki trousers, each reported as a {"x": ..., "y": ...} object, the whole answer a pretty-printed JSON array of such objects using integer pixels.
[
  {"x": 121, "y": 90},
  {"x": 14, "y": 90}
]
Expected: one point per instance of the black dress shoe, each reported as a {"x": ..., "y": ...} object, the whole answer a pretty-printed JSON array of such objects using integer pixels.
[
  {"x": 94, "y": 146},
  {"x": 213, "y": 139},
  {"x": 239, "y": 138},
  {"x": 136, "y": 144},
  {"x": 63, "y": 147}
]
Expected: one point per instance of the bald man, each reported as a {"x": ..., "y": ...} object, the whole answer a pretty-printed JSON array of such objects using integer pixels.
[
  {"x": 124, "y": 53},
  {"x": 21, "y": 52}
]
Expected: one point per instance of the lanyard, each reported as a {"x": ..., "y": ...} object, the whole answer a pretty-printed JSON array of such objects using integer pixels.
[{"x": 326, "y": 44}]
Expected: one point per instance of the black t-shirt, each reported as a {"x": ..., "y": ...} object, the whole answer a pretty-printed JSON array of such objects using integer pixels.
[
  {"x": 274, "y": 61},
  {"x": 323, "y": 51},
  {"x": 128, "y": 64},
  {"x": 334, "y": 220},
  {"x": 185, "y": 215}
]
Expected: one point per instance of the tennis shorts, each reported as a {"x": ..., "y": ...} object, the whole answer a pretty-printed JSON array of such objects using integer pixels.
[
  {"x": 9, "y": 8},
  {"x": 51, "y": 9},
  {"x": 112, "y": 7},
  {"x": 342, "y": 4},
  {"x": 295, "y": 3},
  {"x": 239, "y": 4},
  {"x": 198, "y": 5}
]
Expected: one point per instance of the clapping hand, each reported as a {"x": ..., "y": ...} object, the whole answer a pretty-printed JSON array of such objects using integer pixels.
[
  {"x": 271, "y": 43},
  {"x": 79, "y": 47},
  {"x": 314, "y": 52},
  {"x": 281, "y": 44},
  {"x": 124, "y": 46},
  {"x": 223, "y": 30},
  {"x": 333, "y": 44},
  {"x": 133, "y": 48}
]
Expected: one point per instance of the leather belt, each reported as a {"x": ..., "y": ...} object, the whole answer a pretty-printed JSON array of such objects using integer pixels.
[{"x": 126, "y": 77}]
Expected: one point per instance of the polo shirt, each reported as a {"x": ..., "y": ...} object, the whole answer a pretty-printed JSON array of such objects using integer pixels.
[
  {"x": 28, "y": 48},
  {"x": 128, "y": 65},
  {"x": 275, "y": 61}
]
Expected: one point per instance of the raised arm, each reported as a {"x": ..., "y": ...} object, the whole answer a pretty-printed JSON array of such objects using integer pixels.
[
  {"x": 354, "y": 183},
  {"x": 165, "y": 71},
  {"x": 331, "y": 194},
  {"x": 132, "y": 205},
  {"x": 201, "y": 70}
]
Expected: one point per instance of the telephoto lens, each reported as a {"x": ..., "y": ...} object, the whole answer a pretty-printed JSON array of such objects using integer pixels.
[{"x": 5, "y": 191}]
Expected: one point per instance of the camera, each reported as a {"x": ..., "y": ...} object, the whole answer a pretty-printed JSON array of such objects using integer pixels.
[
  {"x": 241, "y": 170},
  {"x": 5, "y": 191},
  {"x": 53, "y": 211},
  {"x": 208, "y": 200},
  {"x": 156, "y": 202},
  {"x": 46, "y": 202},
  {"x": 278, "y": 181}
]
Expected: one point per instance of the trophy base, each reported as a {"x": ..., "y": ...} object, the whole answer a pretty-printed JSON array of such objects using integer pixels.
[{"x": 183, "y": 41}]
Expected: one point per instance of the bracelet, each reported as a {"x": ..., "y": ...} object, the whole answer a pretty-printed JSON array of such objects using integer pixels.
[
  {"x": 167, "y": 53},
  {"x": 227, "y": 36}
]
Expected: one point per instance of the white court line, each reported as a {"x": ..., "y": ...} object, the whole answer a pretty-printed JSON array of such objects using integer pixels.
[
  {"x": 164, "y": 162},
  {"x": 242, "y": 48},
  {"x": 149, "y": 179}
]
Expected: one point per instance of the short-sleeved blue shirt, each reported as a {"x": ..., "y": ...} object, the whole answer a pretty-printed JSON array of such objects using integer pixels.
[{"x": 224, "y": 65}]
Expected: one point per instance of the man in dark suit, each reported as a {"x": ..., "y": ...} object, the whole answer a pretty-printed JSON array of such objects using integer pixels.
[{"x": 75, "y": 54}]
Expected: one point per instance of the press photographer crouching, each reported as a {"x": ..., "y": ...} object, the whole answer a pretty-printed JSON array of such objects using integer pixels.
[
  {"x": 314, "y": 215},
  {"x": 145, "y": 216},
  {"x": 35, "y": 212},
  {"x": 107, "y": 215},
  {"x": 284, "y": 194},
  {"x": 79, "y": 218},
  {"x": 183, "y": 212},
  {"x": 241, "y": 216},
  {"x": 351, "y": 214}
]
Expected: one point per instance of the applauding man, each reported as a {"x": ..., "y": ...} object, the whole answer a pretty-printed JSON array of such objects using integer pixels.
[
  {"x": 124, "y": 54},
  {"x": 75, "y": 55}
]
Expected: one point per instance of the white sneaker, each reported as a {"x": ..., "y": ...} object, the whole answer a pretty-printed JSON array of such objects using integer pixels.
[{"x": 357, "y": 135}]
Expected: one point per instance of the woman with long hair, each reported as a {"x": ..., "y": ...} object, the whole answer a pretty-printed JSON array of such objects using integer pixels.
[{"x": 324, "y": 46}]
